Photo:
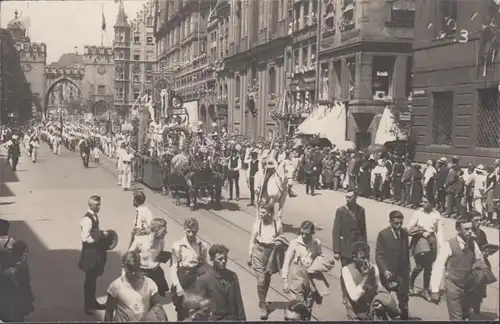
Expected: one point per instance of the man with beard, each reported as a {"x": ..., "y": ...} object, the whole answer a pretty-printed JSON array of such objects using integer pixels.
[
  {"x": 188, "y": 256},
  {"x": 221, "y": 286},
  {"x": 349, "y": 226},
  {"x": 456, "y": 258},
  {"x": 360, "y": 281},
  {"x": 393, "y": 260}
]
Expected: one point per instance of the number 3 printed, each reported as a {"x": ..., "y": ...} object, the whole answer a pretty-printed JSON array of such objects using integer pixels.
[{"x": 464, "y": 36}]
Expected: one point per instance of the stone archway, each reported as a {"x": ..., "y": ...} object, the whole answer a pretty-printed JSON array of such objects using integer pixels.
[
  {"x": 54, "y": 83},
  {"x": 100, "y": 107}
]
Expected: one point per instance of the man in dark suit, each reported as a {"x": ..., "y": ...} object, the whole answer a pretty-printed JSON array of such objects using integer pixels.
[
  {"x": 393, "y": 260},
  {"x": 85, "y": 151},
  {"x": 349, "y": 226},
  {"x": 222, "y": 286}
]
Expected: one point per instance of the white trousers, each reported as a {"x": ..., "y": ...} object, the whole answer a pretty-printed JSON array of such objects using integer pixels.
[{"x": 127, "y": 176}]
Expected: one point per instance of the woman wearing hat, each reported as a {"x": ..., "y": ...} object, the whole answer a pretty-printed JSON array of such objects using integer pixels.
[{"x": 264, "y": 232}]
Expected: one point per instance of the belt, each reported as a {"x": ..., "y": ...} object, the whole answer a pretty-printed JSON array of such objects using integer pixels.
[
  {"x": 267, "y": 245},
  {"x": 127, "y": 162}
]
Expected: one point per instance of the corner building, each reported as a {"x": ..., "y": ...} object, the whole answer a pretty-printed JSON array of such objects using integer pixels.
[{"x": 456, "y": 80}]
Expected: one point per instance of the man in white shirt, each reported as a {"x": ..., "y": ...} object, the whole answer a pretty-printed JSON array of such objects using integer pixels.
[
  {"x": 456, "y": 258},
  {"x": 429, "y": 177},
  {"x": 378, "y": 177},
  {"x": 126, "y": 157},
  {"x": 233, "y": 176},
  {"x": 431, "y": 222},
  {"x": 143, "y": 216},
  {"x": 360, "y": 282}
]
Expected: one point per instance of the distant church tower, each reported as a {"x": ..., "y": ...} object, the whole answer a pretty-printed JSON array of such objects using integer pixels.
[{"x": 121, "y": 53}]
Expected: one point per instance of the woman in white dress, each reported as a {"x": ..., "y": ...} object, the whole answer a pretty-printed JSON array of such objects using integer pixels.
[{"x": 132, "y": 295}]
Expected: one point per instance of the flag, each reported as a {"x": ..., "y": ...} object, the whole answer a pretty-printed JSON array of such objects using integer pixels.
[{"x": 103, "y": 27}]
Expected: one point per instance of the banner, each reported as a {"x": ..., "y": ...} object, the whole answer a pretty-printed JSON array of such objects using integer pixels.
[{"x": 191, "y": 108}]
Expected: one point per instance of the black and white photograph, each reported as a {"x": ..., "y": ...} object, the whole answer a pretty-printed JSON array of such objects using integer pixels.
[{"x": 249, "y": 160}]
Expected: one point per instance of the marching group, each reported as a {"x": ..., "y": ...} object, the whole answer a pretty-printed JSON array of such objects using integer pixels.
[{"x": 202, "y": 287}]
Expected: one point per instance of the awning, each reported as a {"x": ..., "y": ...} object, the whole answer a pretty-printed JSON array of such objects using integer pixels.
[
  {"x": 329, "y": 123},
  {"x": 388, "y": 130}
]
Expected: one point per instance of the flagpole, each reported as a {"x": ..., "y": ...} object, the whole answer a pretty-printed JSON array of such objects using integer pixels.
[{"x": 103, "y": 27}]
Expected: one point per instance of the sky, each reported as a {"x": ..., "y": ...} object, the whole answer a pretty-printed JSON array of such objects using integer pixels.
[{"x": 64, "y": 25}]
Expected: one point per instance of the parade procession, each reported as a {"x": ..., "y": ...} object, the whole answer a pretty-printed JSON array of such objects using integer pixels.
[{"x": 135, "y": 188}]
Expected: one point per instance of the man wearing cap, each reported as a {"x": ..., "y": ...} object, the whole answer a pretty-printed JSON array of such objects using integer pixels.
[
  {"x": 253, "y": 168},
  {"x": 93, "y": 254},
  {"x": 456, "y": 258},
  {"x": 393, "y": 260},
  {"x": 233, "y": 175},
  {"x": 450, "y": 187}
]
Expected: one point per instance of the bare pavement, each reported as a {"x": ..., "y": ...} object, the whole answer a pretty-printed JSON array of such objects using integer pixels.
[{"x": 45, "y": 201}]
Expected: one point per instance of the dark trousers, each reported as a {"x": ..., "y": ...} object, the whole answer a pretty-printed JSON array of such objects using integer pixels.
[
  {"x": 461, "y": 208},
  {"x": 234, "y": 181},
  {"x": 251, "y": 184},
  {"x": 406, "y": 193},
  {"x": 89, "y": 288},
  {"x": 402, "y": 294},
  {"x": 158, "y": 276},
  {"x": 440, "y": 199},
  {"x": 424, "y": 262},
  {"x": 450, "y": 203},
  {"x": 85, "y": 159},
  {"x": 429, "y": 192},
  {"x": 397, "y": 187},
  {"x": 310, "y": 184},
  {"x": 14, "y": 160}
]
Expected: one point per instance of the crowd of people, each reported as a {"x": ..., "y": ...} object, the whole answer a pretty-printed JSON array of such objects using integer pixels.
[{"x": 198, "y": 272}]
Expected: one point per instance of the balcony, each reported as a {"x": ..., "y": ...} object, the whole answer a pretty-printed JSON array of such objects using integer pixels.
[
  {"x": 281, "y": 30},
  {"x": 121, "y": 44}
]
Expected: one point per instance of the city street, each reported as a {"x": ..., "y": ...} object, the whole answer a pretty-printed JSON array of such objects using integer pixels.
[{"x": 45, "y": 201}]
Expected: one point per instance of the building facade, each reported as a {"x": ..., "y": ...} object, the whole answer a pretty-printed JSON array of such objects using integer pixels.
[
  {"x": 23, "y": 64},
  {"x": 190, "y": 41},
  {"x": 134, "y": 56},
  {"x": 260, "y": 50},
  {"x": 456, "y": 80}
]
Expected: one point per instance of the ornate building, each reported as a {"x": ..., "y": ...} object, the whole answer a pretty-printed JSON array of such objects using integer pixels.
[
  {"x": 456, "y": 83},
  {"x": 22, "y": 73},
  {"x": 134, "y": 55},
  {"x": 90, "y": 74},
  {"x": 365, "y": 59},
  {"x": 190, "y": 44}
]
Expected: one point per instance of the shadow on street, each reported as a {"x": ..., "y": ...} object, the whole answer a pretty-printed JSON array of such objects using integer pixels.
[
  {"x": 57, "y": 282},
  {"x": 6, "y": 176}
]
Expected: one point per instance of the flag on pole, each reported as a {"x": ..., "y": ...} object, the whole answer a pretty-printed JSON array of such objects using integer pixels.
[{"x": 103, "y": 26}]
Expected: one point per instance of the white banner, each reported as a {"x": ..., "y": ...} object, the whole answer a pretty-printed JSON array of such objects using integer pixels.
[{"x": 192, "y": 111}]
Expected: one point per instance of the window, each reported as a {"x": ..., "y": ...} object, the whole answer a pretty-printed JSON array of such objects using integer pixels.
[
  {"x": 347, "y": 22},
  {"x": 137, "y": 57},
  {"x": 101, "y": 90},
  {"x": 442, "y": 118},
  {"x": 351, "y": 68},
  {"x": 237, "y": 86},
  {"x": 149, "y": 78},
  {"x": 149, "y": 56},
  {"x": 150, "y": 38},
  {"x": 119, "y": 93},
  {"x": 382, "y": 70},
  {"x": 272, "y": 82},
  {"x": 403, "y": 13},
  {"x": 305, "y": 56},
  {"x": 447, "y": 18},
  {"x": 329, "y": 17},
  {"x": 137, "y": 92},
  {"x": 149, "y": 21},
  {"x": 488, "y": 118},
  {"x": 137, "y": 37},
  {"x": 324, "y": 87}
]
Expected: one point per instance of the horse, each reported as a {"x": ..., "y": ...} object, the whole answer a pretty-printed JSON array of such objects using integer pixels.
[
  {"x": 179, "y": 177},
  {"x": 276, "y": 188}
]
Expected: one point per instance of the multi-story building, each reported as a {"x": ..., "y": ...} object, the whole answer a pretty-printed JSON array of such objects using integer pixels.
[
  {"x": 365, "y": 61},
  {"x": 191, "y": 42},
  {"x": 22, "y": 72},
  {"x": 456, "y": 80},
  {"x": 134, "y": 55}
]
